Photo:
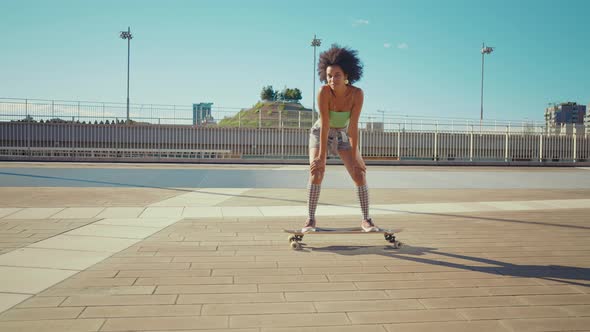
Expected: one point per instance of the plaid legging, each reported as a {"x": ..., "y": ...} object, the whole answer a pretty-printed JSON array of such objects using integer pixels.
[
  {"x": 362, "y": 193},
  {"x": 313, "y": 196}
]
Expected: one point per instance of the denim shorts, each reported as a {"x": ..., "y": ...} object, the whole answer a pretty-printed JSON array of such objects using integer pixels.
[{"x": 337, "y": 139}]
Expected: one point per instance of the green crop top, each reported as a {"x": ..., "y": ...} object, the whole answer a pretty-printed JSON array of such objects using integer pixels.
[{"x": 339, "y": 119}]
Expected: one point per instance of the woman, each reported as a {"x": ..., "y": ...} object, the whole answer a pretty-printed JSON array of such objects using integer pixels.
[{"x": 336, "y": 131}]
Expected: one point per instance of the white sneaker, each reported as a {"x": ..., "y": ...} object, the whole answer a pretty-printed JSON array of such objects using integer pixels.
[
  {"x": 309, "y": 226},
  {"x": 369, "y": 226}
]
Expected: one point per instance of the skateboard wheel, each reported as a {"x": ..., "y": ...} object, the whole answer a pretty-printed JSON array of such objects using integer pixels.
[
  {"x": 291, "y": 238},
  {"x": 295, "y": 245}
]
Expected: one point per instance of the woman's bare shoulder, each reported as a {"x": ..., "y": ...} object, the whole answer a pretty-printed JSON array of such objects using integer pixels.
[
  {"x": 356, "y": 89},
  {"x": 325, "y": 89},
  {"x": 357, "y": 92}
]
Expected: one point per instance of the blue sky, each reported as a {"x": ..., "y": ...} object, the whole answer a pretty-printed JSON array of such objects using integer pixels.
[{"x": 421, "y": 58}]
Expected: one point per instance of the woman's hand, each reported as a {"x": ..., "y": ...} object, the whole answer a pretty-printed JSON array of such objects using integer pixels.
[
  {"x": 318, "y": 164},
  {"x": 359, "y": 164}
]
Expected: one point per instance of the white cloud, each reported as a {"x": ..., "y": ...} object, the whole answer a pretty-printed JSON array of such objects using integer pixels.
[
  {"x": 387, "y": 45},
  {"x": 358, "y": 22},
  {"x": 402, "y": 46}
]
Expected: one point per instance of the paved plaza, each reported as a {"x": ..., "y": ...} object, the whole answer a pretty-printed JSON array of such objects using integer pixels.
[{"x": 486, "y": 249}]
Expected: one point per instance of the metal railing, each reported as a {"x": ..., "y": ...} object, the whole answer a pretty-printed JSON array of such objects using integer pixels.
[
  {"x": 112, "y": 142},
  {"x": 79, "y": 130},
  {"x": 37, "y": 110}
]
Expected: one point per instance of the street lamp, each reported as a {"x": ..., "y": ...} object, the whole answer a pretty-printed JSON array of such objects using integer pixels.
[
  {"x": 314, "y": 43},
  {"x": 127, "y": 35},
  {"x": 484, "y": 50}
]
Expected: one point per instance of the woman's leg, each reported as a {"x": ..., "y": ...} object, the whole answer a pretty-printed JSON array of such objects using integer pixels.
[
  {"x": 313, "y": 189},
  {"x": 356, "y": 169}
]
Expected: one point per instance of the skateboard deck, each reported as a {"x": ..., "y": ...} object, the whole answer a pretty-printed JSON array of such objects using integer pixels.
[{"x": 297, "y": 235}]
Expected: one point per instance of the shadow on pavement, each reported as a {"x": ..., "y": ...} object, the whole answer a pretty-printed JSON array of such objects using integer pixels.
[{"x": 410, "y": 253}]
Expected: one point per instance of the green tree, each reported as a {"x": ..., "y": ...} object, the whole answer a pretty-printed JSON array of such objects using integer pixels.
[
  {"x": 296, "y": 94},
  {"x": 292, "y": 94},
  {"x": 268, "y": 93},
  {"x": 286, "y": 94}
]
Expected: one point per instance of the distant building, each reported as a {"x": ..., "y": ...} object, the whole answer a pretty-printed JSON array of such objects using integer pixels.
[
  {"x": 202, "y": 114},
  {"x": 374, "y": 126},
  {"x": 587, "y": 120},
  {"x": 563, "y": 118}
]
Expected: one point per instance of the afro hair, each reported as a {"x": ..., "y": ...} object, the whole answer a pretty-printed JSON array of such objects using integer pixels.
[{"x": 345, "y": 58}]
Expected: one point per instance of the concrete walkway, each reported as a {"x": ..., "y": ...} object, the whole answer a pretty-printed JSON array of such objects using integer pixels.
[{"x": 216, "y": 259}]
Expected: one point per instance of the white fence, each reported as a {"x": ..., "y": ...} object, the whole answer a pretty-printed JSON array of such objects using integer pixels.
[{"x": 123, "y": 142}]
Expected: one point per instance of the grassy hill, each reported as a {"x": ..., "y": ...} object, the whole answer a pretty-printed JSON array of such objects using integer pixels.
[{"x": 269, "y": 113}]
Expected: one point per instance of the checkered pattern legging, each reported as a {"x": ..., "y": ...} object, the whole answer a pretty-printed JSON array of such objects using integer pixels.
[
  {"x": 363, "y": 195},
  {"x": 313, "y": 196}
]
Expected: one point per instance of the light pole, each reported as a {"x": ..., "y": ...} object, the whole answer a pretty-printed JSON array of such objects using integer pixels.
[
  {"x": 484, "y": 50},
  {"x": 127, "y": 35},
  {"x": 314, "y": 43}
]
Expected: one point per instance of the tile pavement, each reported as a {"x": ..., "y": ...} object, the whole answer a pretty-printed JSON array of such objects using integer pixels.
[{"x": 501, "y": 262}]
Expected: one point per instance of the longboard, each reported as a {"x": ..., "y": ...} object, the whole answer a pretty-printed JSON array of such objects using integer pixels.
[{"x": 297, "y": 235}]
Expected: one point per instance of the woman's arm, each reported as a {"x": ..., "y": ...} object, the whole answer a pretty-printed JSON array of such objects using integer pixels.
[
  {"x": 353, "y": 126},
  {"x": 323, "y": 98}
]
